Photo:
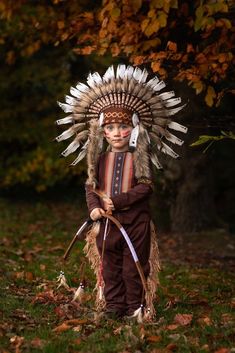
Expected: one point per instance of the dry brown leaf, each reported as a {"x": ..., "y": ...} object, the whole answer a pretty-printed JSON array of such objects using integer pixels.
[
  {"x": 204, "y": 321},
  {"x": 77, "y": 328},
  {"x": 222, "y": 350},
  {"x": 172, "y": 327},
  {"x": 171, "y": 346},
  {"x": 154, "y": 338},
  {"x": 77, "y": 341},
  {"x": 61, "y": 328},
  {"x": 37, "y": 342},
  {"x": 74, "y": 322},
  {"x": 183, "y": 319}
]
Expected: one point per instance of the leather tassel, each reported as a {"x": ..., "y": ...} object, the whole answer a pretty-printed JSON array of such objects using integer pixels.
[{"x": 101, "y": 294}]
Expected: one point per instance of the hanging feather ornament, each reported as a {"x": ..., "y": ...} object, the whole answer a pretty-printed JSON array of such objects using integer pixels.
[
  {"x": 79, "y": 294},
  {"x": 61, "y": 280},
  {"x": 126, "y": 87},
  {"x": 138, "y": 315}
]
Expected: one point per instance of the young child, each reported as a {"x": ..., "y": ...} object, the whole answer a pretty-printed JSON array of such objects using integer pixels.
[{"x": 134, "y": 119}]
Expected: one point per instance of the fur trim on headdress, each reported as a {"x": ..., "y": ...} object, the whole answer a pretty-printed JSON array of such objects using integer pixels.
[
  {"x": 141, "y": 157},
  {"x": 93, "y": 151}
]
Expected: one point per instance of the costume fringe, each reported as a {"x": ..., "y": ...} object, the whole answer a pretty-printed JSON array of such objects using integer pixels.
[
  {"x": 93, "y": 256},
  {"x": 153, "y": 280},
  {"x": 141, "y": 157},
  {"x": 94, "y": 149}
]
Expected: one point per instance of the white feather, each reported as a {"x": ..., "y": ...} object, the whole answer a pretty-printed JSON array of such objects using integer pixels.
[
  {"x": 167, "y": 95},
  {"x": 68, "y": 133},
  {"x": 155, "y": 161},
  {"x": 121, "y": 71},
  {"x": 69, "y": 119},
  {"x": 94, "y": 79},
  {"x": 175, "y": 110},
  {"x": 178, "y": 127},
  {"x": 76, "y": 93},
  {"x": 66, "y": 107},
  {"x": 71, "y": 148},
  {"x": 160, "y": 85},
  {"x": 81, "y": 155},
  {"x": 174, "y": 139},
  {"x": 129, "y": 72},
  {"x": 137, "y": 74},
  {"x": 138, "y": 315},
  {"x": 109, "y": 74},
  {"x": 172, "y": 102},
  {"x": 70, "y": 100},
  {"x": 167, "y": 150},
  {"x": 82, "y": 87},
  {"x": 144, "y": 76},
  {"x": 153, "y": 82}
]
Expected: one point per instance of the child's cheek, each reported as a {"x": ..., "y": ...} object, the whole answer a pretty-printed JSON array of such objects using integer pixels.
[
  {"x": 106, "y": 134},
  {"x": 125, "y": 134}
]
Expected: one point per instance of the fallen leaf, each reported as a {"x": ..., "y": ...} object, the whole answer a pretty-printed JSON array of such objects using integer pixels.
[
  {"x": 183, "y": 319},
  {"x": 61, "y": 328},
  {"x": 17, "y": 341},
  {"x": 37, "y": 342},
  {"x": 204, "y": 321},
  {"x": 77, "y": 341},
  {"x": 154, "y": 338},
  {"x": 172, "y": 327},
  {"x": 117, "y": 331},
  {"x": 77, "y": 328},
  {"x": 29, "y": 276},
  {"x": 171, "y": 346},
  {"x": 75, "y": 322},
  {"x": 222, "y": 350},
  {"x": 42, "y": 267}
]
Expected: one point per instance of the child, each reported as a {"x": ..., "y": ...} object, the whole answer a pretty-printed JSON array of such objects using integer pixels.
[{"x": 134, "y": 119}]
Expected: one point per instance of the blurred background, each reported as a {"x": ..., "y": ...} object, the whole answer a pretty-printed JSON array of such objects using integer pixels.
[{"x": 48, "y": 46}]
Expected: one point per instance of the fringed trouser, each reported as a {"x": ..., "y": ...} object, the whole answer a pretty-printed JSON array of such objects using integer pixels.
[{"x": 123, "y": 289}]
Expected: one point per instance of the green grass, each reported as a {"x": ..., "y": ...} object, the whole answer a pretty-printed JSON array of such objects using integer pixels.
[{"x": 33, "y": 238}]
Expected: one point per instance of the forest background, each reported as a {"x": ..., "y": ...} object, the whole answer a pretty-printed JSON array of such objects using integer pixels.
[{"x": 47, "y": 46}]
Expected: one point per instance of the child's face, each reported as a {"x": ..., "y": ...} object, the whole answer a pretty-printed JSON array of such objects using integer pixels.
[{"x": 118, "y": 136}]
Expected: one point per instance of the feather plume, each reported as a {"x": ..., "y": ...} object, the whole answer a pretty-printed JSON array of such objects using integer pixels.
[
  {"x": 81, "y": 155},
  {"x": 166, "y": 95},
  {"x": 69, "y": 119},
  {"x": 109, "y": 74},
  {"x": 82, "y": 87},
  {"x": 66, "y": 107},
  {"x": 70, "y": 132},
  {"x": 172, "y": 102},
  {"x": 79, "y": 294},
  {"x": 167, "y": 150},
  {"x": 138, "y": 315},
  {"x": 178, "y": 127},
  {"x": 121, "y": 69},
  {"x": 70, "y": 100},
  {"x": 75, "y": 144},
  {"x": 155, "y": 161}
]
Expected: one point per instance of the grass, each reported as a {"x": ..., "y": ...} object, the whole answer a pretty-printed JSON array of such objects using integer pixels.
[{"x": 33, "y": 238}]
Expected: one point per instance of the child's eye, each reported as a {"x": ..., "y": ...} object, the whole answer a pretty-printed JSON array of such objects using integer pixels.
[
  {"x": 109, "y": 127},
  {"x": 123, "y": 126}
]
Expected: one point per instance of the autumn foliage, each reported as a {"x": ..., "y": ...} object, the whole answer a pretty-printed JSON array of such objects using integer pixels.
[{"x": 188, "y": 40}]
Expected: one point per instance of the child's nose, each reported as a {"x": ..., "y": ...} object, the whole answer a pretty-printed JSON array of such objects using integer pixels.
[{"x": 116, "y": 131}]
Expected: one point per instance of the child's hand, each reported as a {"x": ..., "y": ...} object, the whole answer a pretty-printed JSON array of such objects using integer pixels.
[
  {"x": 109, "y": 206},
  {"x": 96, "y": 214}
]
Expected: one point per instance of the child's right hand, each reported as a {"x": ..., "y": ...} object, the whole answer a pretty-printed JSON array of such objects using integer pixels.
[{"x": 96, "y": 214}]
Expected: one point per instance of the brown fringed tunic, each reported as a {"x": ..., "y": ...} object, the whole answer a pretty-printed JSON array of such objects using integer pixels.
[{"x": 123, "y": 289}]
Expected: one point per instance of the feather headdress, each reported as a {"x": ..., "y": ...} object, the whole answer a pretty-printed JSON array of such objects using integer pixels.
[{"x": 128, "y": 88}]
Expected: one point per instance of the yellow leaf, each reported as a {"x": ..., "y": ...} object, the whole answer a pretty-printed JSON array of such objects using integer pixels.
[
  {"x": 210, "y": 96},
  {"x": 198, "y": 86},
  {"x": 115, "y": 13},
  {"x": 153, "y": 27},
  {"x": 60, "y": 24},
  {"x": 155, "y": 66},
  {"x": 144, "y": 24},
  {"x": 162, "y": 18}
]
